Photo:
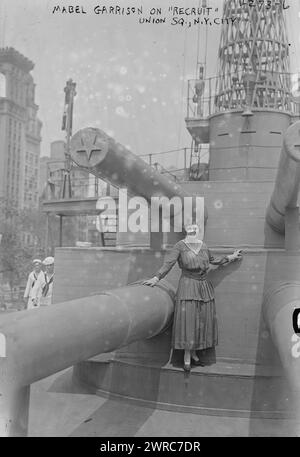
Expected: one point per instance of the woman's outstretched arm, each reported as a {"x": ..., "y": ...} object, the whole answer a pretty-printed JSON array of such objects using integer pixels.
[
  {"x": 168, "y": 264},
  {"x": 226, "y": 259}
]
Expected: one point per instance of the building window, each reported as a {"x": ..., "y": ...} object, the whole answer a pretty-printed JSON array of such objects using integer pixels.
[{"x": 2, "y": 85}]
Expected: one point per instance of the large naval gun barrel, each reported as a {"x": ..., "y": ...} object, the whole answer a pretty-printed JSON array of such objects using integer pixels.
[
  {"x": 287, "y": 181},
  {"x": 37, "y": 343},
  {"x": 93, "y": 149},
  {"x": 101, "y": 155}
]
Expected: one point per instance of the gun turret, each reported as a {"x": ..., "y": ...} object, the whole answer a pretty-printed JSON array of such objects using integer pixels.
[
  {"x": 282, "y": 296},
  {"x": 279, "y": 304},
  {"x": 286, "y": 188}
]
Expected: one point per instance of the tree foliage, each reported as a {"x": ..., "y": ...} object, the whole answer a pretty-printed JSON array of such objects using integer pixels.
[{"x": 22, "y": 239}]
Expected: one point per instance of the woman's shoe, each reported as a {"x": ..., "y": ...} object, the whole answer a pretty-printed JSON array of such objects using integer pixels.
[
  {"x": 187, "y": 367},
  {"x": 198, "y": 363}
]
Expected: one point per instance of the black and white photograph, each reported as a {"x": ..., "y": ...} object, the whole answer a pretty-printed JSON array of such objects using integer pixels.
[{"x": 149, "y": 221}]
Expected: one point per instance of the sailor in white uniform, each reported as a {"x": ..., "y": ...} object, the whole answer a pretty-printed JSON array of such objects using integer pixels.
[
  {"x": 44, "y": 285},
  {"x": 29, "y": 293}
]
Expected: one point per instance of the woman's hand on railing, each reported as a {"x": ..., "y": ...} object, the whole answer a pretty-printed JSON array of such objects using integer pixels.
[{"x": 151, "y": 282}]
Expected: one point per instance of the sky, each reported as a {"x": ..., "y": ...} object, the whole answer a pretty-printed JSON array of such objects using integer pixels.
[{"x": 131, "y": 78}]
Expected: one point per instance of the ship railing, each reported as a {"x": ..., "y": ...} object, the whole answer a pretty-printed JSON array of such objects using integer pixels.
[
  {"x": 84, "y": 184},
  {"x": 233, "y": 91},
  {"x": 164, "y": 161}
]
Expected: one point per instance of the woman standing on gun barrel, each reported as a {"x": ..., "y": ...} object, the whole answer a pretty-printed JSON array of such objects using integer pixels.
[{"x": 195, "y": 322}]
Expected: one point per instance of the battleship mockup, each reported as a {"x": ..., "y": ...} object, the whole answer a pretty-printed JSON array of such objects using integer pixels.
[{"x": 115, "y": 331}]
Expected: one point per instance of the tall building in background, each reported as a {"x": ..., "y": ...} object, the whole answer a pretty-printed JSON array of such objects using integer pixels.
[{"x": 20, "y": 131}]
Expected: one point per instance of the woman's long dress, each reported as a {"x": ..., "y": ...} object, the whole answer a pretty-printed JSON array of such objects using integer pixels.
[{"x": 195, "y": 322}]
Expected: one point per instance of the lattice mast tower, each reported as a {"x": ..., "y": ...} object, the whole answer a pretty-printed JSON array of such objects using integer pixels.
[
  {"x": 253, "y": 57},
  {"x": 251, "y": 104}
]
